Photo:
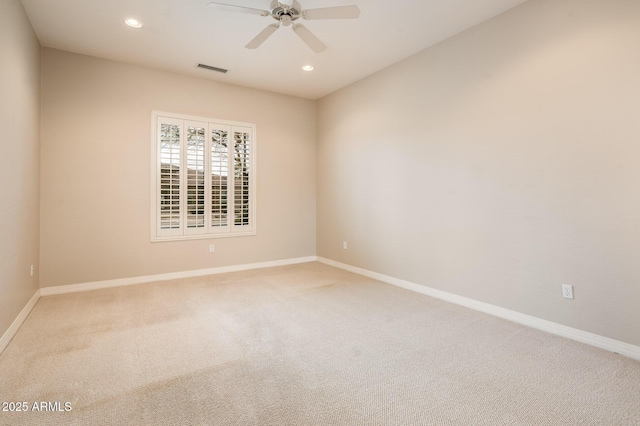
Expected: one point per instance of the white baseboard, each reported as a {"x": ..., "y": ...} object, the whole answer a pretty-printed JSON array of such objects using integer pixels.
[
  {"x": 601, "y": 342},
  {"x": 72, "y": 288},
  {"x": 13, "y": 328},
  {"x": 598, "y": 341}
]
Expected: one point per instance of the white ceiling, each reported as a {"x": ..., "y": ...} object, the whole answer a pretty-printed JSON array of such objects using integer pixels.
[{"x": 179, "y": 34}]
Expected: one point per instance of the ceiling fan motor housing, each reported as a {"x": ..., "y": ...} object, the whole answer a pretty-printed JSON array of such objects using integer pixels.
[{"x": 284, "y": 13}]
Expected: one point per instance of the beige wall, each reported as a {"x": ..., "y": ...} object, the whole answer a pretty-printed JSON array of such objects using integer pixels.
[
  {"x": 19, "y": 124},
  {"x": 499, "y": 165},
  {"x": 496, "y": 165},
  {"x": 96, "y": 141}
]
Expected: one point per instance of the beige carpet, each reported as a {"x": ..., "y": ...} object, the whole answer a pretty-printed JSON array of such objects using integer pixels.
[{"x": 300, "y": 345}]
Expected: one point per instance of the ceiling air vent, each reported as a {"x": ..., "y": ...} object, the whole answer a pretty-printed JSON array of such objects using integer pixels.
[{"x": 209, "y": 67}]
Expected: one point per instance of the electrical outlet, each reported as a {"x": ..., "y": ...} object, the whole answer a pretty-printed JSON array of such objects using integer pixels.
[
  {"x": 31, "y": 270},
  {"x": 211, "y": 248},
  {"x": 344, "y": 245},
  {"x": 567, "y": 291}
]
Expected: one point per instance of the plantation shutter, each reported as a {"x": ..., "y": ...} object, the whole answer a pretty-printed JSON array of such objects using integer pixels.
[
  {"x": 204, "y": 179},
  {"x": 220, "y": 167},
  {"x": 242, "y": 173},
  {"x": 196, "y": 175},
  {"x": 170, "y": 184}
]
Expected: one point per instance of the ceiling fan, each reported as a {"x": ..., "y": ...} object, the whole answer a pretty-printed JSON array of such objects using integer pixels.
[{"x": 286, "y": 15}]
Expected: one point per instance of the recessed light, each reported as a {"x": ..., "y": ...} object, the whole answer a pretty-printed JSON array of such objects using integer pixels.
[
  {"x": 307, "y": 68},
  {"x": 132, "y": 22}
]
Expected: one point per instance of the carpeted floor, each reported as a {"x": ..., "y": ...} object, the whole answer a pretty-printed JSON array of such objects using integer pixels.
[{"x": 300, "y": 345}]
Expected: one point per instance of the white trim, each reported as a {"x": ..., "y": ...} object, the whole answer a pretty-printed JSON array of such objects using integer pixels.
[
  {"x": 157, "y": 113},
  {"x": 15, "y": 326},
  {"x": 72, "y": 288},
  {"x": 591, "y": 339},
  {"x": 182, "y": 233}
]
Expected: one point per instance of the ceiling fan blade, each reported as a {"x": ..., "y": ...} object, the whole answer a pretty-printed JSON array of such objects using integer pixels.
[
  {"x": 338, "y": 12},
  {"x": 242, "y": 9},
  {"x": 307, "y": 36},
  {"x": 260, "y": 38}
]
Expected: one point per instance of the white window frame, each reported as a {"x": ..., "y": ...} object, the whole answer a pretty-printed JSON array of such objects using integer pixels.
[{"x": 208, "y": 230}]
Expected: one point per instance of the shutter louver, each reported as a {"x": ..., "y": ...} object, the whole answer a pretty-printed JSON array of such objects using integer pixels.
[
  {"x": 219, "y": 177},
  {"x": 196, "y": 145},
  {"x": 242, "y": 156},
  {"x": 170, "y": 176}
]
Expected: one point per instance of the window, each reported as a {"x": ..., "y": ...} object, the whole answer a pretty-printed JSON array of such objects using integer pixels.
[{"x": 203, "y": 178}]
